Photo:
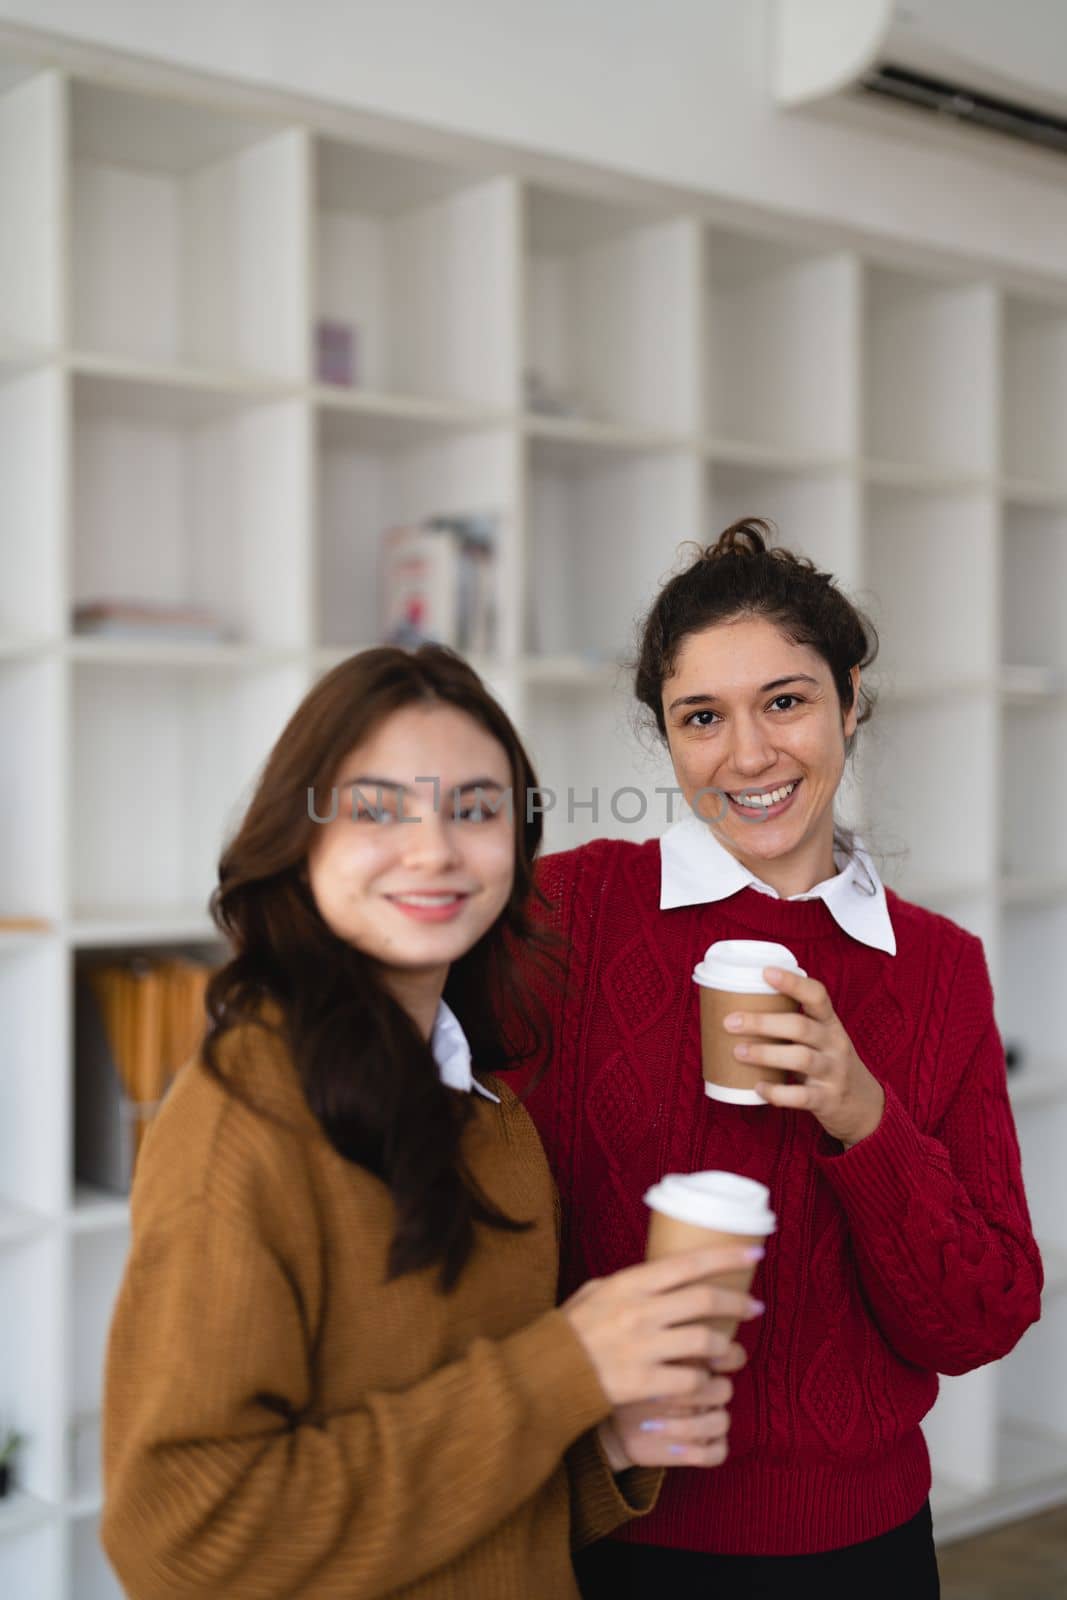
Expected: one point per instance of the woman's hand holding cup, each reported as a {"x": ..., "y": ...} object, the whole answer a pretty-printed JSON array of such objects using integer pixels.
[
  {"x": 642, "y": 1325},
  {"x": 665, "y": 1434}
]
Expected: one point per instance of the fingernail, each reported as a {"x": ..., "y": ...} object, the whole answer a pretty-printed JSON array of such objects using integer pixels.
[
  {"x": 677, "y": 1449},
  {"x": 653, "y": 1427},
  {"x": 773, "y": 972},
  {"x": 734, "y": 1020},
  {"x": 758, "y": 1308},
  {"x": 755, "y": 1252}
]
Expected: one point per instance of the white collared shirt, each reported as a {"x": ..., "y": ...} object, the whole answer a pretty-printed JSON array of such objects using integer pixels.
[
  {"x": 695, "y": 869},
  {"x": 452, "y": 1053}
]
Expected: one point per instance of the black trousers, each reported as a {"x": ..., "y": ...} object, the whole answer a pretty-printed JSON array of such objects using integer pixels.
[{"x": 901, "y": 1562}]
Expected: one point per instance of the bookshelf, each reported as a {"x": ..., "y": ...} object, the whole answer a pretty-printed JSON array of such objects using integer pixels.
[{"x": 613, "y": 369}]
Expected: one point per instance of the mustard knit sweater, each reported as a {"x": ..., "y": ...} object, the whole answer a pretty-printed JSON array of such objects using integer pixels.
[{"x": 281, "y": 1422}]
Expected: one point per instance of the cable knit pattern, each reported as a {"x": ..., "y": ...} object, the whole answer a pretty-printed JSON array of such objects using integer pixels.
[{"x": 907, "y": 1255}]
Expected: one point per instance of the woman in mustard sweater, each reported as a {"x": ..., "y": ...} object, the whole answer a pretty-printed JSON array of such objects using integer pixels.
[{"x": 336, "y": 1367}]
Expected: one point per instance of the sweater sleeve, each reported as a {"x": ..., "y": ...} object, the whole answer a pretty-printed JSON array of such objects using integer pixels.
[
  {"x": 221, "y": 1479},
  {"x": 602, "y": 1498},
  {"x": 939, "y": 1222}
]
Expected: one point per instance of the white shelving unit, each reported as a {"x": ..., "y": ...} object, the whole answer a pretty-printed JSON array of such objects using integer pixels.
[{"x": 611, "y": 368}]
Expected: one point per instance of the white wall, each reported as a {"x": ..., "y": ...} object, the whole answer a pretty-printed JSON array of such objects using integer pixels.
[{"x": 673, "y": 89}]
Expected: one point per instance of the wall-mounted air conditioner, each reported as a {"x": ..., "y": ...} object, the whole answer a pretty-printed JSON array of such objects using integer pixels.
[{"x": 955, "y": 64}]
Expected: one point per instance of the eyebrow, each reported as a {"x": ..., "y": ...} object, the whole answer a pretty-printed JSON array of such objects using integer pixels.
[
  {"x": 713, "y": 699},
  {"x": 368, "y": 781}
]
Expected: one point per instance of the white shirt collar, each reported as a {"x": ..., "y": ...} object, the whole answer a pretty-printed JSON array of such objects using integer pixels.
[
  {"x": 452, "y": 1053},
  {"x": 695, "y": 869}
]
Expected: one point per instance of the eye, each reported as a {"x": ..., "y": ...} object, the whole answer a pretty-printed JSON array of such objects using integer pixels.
[
  {"x": 475, "y": 813},
  {"x": 780, "y": 697},
  {"x": 691, "y": 719},
  {"x": 361, "y": 812}
]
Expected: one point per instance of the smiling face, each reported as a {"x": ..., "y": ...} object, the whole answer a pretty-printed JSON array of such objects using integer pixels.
[
  {"x": 756, "y": 718},
  {"x": 416, "y": 894}
]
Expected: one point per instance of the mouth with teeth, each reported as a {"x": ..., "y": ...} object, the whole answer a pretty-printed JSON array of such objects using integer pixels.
[
  {"x": 763, "y": 803},
  {"x": 426, "y": 907}
]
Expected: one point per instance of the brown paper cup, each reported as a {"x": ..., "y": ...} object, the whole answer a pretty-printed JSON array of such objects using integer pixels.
[
  {"x": 669, "y": 1236},
  {"x": 721, "y": 1066}
]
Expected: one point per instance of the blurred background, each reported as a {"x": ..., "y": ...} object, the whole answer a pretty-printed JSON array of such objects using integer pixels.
[{"x": 328, "y": 323}]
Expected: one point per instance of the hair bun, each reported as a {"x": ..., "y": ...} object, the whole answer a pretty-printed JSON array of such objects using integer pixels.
[{"x": 749, "y": 537}]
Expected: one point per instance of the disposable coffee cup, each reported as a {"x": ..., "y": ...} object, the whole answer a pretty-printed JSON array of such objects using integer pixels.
[
  {"x": 730, "y": 978},
  {"x": 695, "y": 1210}
]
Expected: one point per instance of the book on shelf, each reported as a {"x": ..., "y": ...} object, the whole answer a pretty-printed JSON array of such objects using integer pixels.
[
  {"x": 336, "y": 349},
  {"x": 439, "y": 583},
  {"x": 143, "y": 619},
  {"x": 137, "y": 1021}
]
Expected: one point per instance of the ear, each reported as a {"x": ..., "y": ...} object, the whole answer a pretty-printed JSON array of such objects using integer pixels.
[{"x": 852, "y": 715}]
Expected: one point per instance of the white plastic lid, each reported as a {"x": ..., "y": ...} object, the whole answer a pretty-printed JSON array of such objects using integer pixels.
[
  {"x": 723, "y": 1200},
  {"x": 737, "y": 965}
]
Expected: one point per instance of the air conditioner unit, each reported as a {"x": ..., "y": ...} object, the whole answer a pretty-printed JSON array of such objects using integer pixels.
[{"x": 986, "y": 65}]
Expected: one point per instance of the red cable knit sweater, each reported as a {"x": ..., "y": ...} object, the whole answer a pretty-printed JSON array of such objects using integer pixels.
[{"x": 907, "y": 1255}]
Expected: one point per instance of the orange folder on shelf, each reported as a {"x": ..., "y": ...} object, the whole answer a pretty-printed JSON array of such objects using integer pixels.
[{"x": 139, "y": 1021}]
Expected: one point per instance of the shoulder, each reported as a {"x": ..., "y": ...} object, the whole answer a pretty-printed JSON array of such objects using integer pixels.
[
  {"x": 932, "y": 936},
  {"x": 217, "y": 1144},
  {"x": 522, "y": 1135},
  {"x": 594, "y": 867}
]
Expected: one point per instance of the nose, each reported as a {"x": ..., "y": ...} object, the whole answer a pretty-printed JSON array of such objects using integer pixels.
[
  {"x": 750, "y": 750},
  {"x": 430, "y": 843}
]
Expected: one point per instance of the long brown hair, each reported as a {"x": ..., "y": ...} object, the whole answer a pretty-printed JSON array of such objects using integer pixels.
[{"x": 367, "y": 1073}]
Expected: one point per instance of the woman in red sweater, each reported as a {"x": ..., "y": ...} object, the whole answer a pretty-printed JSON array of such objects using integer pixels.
[{"x": 904, "y": 1247}]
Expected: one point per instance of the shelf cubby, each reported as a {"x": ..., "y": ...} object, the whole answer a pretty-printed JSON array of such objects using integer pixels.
[
  {"x": 961, "y": 1431},
  {"x": 32, "y": 110},
  {"x": 1033, "y": 582},
  {"x": 927, "y": 779},
  {"x": 1033, "y": 1392},
  {"x": 188, "y": 234},
  {"x": 781, "y": 325},
  {"x": 815, "y": 513},
  {"x": 1031, "y": 980},
  {"x": 34, "y": 1143},
  {"x": 92, "y": 1576},
  {"x": 164, "y": 759},
  {"x": 168, "y": 509},
  {"x": 611, "y": 298},
  {"x": 33, "y": 444},
  {"x": 1033, "y": 843},
  {"x": 97, "y": 1265},
  {"x": 920, "y": 547},
  {"x": 583, "y": 739},
  {"x": 1034, "y": 393},
  {"x": 32, "y": 718},
  {"x": 376, "y": 472},
  {"x": 420, "y": 261},
  {"x": 32, "y": 1549},
  {"x": 33, "y": 1295},
  {"x": 604, "y": 527},
  {"x": 930, "y": 366}
]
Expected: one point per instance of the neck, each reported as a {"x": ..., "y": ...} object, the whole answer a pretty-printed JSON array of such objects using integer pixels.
[
  {"x": 419, "y": 991},
  {"x": 795, "y": 873}
]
